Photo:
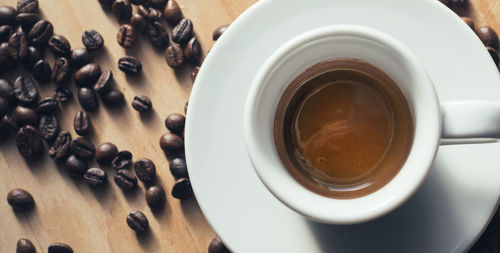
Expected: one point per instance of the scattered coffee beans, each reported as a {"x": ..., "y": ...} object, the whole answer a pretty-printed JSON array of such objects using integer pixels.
[
  {"x": 178, "y": 168},
  {"x": 7, "y": 91},
  {"x": 61, "y": 148},
  {"x": 7, "y": 16},
  {"x": 5, "y": 32},
  {"x": 82, "y": 148},
  {"x": 30, "y": 6},
  {"x": 80, "y": 57},
  {"x": 88, "y": 99},
  {"x": 218, "y": 32},
  {"x": 173, "y": 13},
  {"x": 126, "y": 36},
  {"x": 47, "y": 105},
  {"x": 75, "y": 166},
  {"x": 183, "y": 31},
  {"x": 469, "y": 22},
  {"x": 87, "y": 75},
  {"x": 174, "y": 56},
  {"x": 25, "y": 116},
  {"x": 6, "y": 62},
  {"x": 130, "y": 65},
  {"x": 106, "y": 4},
  {"x": 139, "y": 22},
  {"x": 113, "y": 97},
  {"x": 92, "y": 40},
  {"x": 27, "y": 20},
  {"x": 458, "y": 2},
  {"x": 155, "y": 197},
  {"x": 61, "y": 71},
  {"x": 122, "y": 9},
  {"x": 60, "y": 248},
  {"x": 48, "y": 127},
  {"x": 137, "y": 2},
  {"x": 33, "y": 55},
  {"x": 192, "y": 52},
  {"x": 29, "y": 142},
  {"x": 20, "y": 199},
  {"x": 25, "y": 90},
  {"x": 158, "y": 4},
  {"x": 488, "y": 36},
  {"x": 103, "y": 83},
  {"x": 142, "y": 103},
  {"x": 95, "y": 177},
  {"x": 494, "y": 54},
  {"x": 182, "y": 189},
  {"x": 105, "y": 153},
  {"x": 122, "y": 160},
  {"x": 40, "y": 33},
  {"x": 59, "y": 45},
  {"x": 62, "y": 94},
  {"x": 217, "y": 246},
  {"x": 171, "y": 143},
  {"x": 125, "y": 180},
  {"x": 145, "y": 170},
  {"x": 81, "y": 123},
  {"x": 175, "y": 123},
  {"x": 137, "y": 221},
  {"x": 25, "y": 246},
  {"x": 157, "y": 34},
  {"x": 42, "y": 71},
  {"x": 17, "y": 46},
  {"x": 150, "y": 13}
]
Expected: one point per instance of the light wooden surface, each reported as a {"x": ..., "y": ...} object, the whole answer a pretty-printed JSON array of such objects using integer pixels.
[{"x": 90, "y": 220}]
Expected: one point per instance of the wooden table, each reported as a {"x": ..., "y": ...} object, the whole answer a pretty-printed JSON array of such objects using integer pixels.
[{"x": 93, "y": 220}]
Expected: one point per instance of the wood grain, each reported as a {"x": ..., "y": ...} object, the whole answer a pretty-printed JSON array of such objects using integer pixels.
[{"x": 93, "y": 220}]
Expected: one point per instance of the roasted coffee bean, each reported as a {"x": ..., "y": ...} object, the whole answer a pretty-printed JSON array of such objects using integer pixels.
[
  {"x": 40, "y": 33},
  {"x": 60, "y": 248},
  {"x": 7, "y": 91},
  {"x": 130, "y": 65},
  {"x": 125, "y": 180},
  {"x": 4, "y": 131},
  {"x": 103, "y": 83},
  {"x": 122, "y": 9},
  {"x": 48, "y": 127},
  {"x": 33, "y": 55},
  {"x": 92, "y": 40},
  {"x": 42, "y": 72},
  {"x": 139, "y": 22},
  {"x": 61, "y": 71},
  {"x": 10, "y": 122},
  {"x": 87, "y": 75},
  {"x": 25, "y": 246},
  {"x": 88, "y": 99},
  {"x": 113, "y": 97},
  {"x": 75, "y": 166},
  {"x": 158, "y": 4},
  {"x": 4, "y": 106},
  {"x": 137, "y": 221},
  {"x": 218, "y": 32},
  {"x": 25, "y": 90},
  {"x": 80, "y": 57},
  {"x": 145, "y": 170},
  {"x": 126, "y": 36},
  {"x": 171, "y": 143},
  {"x": 62, "y": 94},
  {"x": 182, "y": 188},
  {"x": 174, "y": 56},
  {"x": 157, "y": 34},
  {"x": 82, "y": 148},
  {"x": 106, "y": 4},
  {"x": 175, "y": 123},
  {"x": 217, "y": 246},
  {"x": 5, "y": 33},
  {"x": 122, "y": 160},
  {"x": 17, "y": 46},
  {"x": 30, "y": 6},
  {"x": 81, "y": 123},
  {"x": 142, "y": 103},
  {"x": 494, "y": 55},
  {"x": 458, "y": 2},
  {"x": 446, "y": 2},
  {"x": 59, "y": 45},
  {"x": 178, "y": 168},
  {"x": 192, "y": 52},
  {"x": 173, "y": 13},
  {"x": 105, "y": 153},
  {"x": 137, "y": 2},
  {"x": 95, "y": 177},
  {"x": 6, "y": 62},
  {"x": 7, "y": 16},
  {"x": 61, "y": 148},
  {"x": 25, "y": 116},
  {"x": 47, "y": 105},
  {"x": 194, "y": 73},
  {"x": 150, "y": 13},
  {"x": 469, "y": 22},
  {"x": 27, "y": 20},
  {"x": 29, "y": 142},
  {"x": 183, "y": 31},
  {"x": 155, "y": 197},
  {"x": 488, "y": 36},
  {"x": 20, "y": 199}
]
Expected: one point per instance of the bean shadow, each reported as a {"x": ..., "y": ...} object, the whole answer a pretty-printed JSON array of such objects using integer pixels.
[
  {"x": 134, "y": 195},
  {"x": 147, "y": 240},
  {"x": 150, "y": 119},
  {"x": 191, "y": 210}
]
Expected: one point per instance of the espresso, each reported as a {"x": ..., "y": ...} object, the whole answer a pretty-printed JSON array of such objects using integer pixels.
[{"x": 343, "y": 128}]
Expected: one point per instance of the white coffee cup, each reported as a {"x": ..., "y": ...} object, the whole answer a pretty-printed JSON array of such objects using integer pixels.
[{"x": 432, "y": 120}]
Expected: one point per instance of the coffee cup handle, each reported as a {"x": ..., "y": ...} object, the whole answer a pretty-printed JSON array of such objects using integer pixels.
[{"x": 470, "y": 122}]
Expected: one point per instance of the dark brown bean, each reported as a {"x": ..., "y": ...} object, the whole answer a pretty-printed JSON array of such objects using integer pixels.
[
  {"x": 488, "y": 36},
  {"x": 61, "y": 71},
  {"x": 106, "y": 4},
  {"x": 150, "y": 13},
  {"x": 42, "y": 71},
  {"x": 4, "y": 106},
  {"x": 7, "y": 15},
  {"x": 60, "y": 248},
  {"x": 194, "y": 74},
  {"x": 126, "y": 36},
  {"x": 192, "y": 51},
  {"x": 183, "y": 31},
  {"x": 219, "y": 31},
  {"x": 95, "y": 177},
  {"x": 81, "y": 123},
  {"x": 173, "y": 13},
  {"x": 157, "y": 34},
  {"x": 87, "y": 75},
  {"x": 105, "y": 153},
  {"x": 145, "y": 170},
  {"x": 103, "y": 83},
  {"x": 25, "y": 116},
  {"x": 40, "y": 33},
  {"x": 25, "y": 246},
  {"x": 59, "y": 45},
  {"x": 217, "y": 246},
  {"x": 27, "y": 20},
  {"x": 171, "y": 143},
  {"x": 7, "y": 91},
  {"x": 494, "y": 55},
  {"x": 5, "y": 33},
  {"x": 182, "y": 189},
  {"x": 139, "y": 22},
  {"x": 122, "y": 9},
  {"x": 75, "y": 166},
  {"x": 80, "y": 57},
  {"x": 125, "y": 180},
  {"x": 17, "y": 46},
  {"x": 158, "y": 4},
  {"x": 61, "y": 148},
  {"x": 122, "y": 160},
  {"x": 458, "y": 2},
  {"x": 155, "y": 197},
  {"x": 47, "y": 105},
  {"x": 62, "y": 94},
  {"x": 29, "y": 142},
  {"x": 137, "y": 221},
  {"x": 130, "y": 65},
  {"x": 25, "y": 90},
  {"x": 175, "y": 123},
  {"x": 9, "y": 121},
  {"x": 113, "y": 97},
  {"x": 142, "y": 103},
  {"x": 88, "y": 99},
  {"x": 48, "y": 127},
  {"x": 33, "y": 55},
  {"x": 178, "y": 168},
  {"x": 6, "y": 63},
  {"x": 174, "y": 56},
  {"x": 82, "y": 148},
  {"x": 137, "y": 2},
  {"x": 92, "y": 40},
  {"x": 30, "y": 6},
  {"x": 469, "y": 22},
  {"x": 20, "y": 199}
]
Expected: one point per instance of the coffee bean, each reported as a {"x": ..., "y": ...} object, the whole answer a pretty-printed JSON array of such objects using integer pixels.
[
  {"x": 7, "y": 16},
  {"x": 25, "y": 246},
  {"x": 48, "y": 127},
  {"x": 157, "y": 34},
  {"x": 103, "y": 83},
  {"x": 41, "y": 71},
  {"x": 62, "y": 94},
  {"x": 183, "y": 31},
  {"x": 182, "y": 189},
  {"x": 469, "y": 22},
  {"x": 33, "y": 55},
  {"x": 113, "y": 97},
  {"x": 29, "y": 142},
  {"x": 192, "y": 52},
  {"x": 137, "y": 2},
  {"x": 92, "y": 40},
  {"x": 171, "y": 143},
  {"x": 80, "y": 57},
  {"x": 60, "y": 248},
  {"x": 458, "y": 2},
  {"x": 155, "y": 197},
  {"x": 126, "y": 36},
  {"x": 7, "y": 91},
  {"x": 88, "y": 99},
  {"x": 6, "y": 62},
  {"x": 217, "y": 246},
  {"x": 139, "y": 22},
  {"x": 173, "y": 13},
  {"x": 150, "y": 13},
  {"x": 4, "y": 106},
  {"x": 175, "y": 123},
  {"x": 137, "y": 221},
  {"x": 494, "y": 55},
  {"x": 47, "y": 105},
  {"x": 25, "y": 90},
  {"x": 95, "y": 177},
  {"x": 61, "y": 71},
  {"x": 87, "y": 75},
  {"x": 488, "y": 36},
  {"x": 218, "y": 32},
  {"x": 25, "y": 116},
  {"x": 145, "y": 170},
  {"x": 82, "y": 148},
  {"x": 40, "y": 33},
  {"x": 106, "y": 4},
  {"x": 178, "y": 168},
  {"x": 125, "y": 180},
  {"x": 17, "y": 46},
  {"x": 81, "y": 123},
  {"x": 122, "y": 9},
  {"x": 142, "y": 103},
  {"x": 59, "y": 45},
  {"x": 105, "y": 153},
  {"x": 75, "y": 166},
  {"x": 174, "y": 56},
  {"x": 158, "y": 4},
  {"x": 10, "y": 122},
  {"x": 30, "y": 6},
  {"x": 5, "y": 33},
  {"x": 20, "y": 199},
  {"x": 61, "y": 148},
  {"x": 194, "y": 73},
  {"x": 130, "y": 65},
  {"x": 27, "y": 20},
  {"x": 122, "y": 160}
]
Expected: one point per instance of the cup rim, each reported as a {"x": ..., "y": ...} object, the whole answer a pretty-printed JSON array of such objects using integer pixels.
[{"x": 421, "y": 163}]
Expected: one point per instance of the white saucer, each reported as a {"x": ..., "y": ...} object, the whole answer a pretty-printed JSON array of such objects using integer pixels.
[{"x": 446, "y": 215}]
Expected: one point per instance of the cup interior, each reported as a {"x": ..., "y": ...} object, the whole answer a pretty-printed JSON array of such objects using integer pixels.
[{"x": 338, "y": 42}]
